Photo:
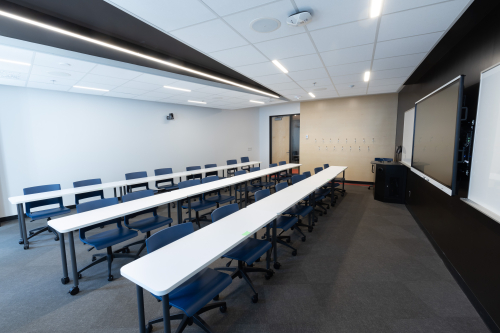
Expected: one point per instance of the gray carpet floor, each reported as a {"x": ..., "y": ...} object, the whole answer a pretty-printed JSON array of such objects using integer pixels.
[{"x": 366, "y": 267}]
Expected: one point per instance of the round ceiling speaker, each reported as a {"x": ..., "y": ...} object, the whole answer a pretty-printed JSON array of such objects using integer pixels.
[
  {"x": 265, "y": 25},
  {"x": 62, "y": 74}
]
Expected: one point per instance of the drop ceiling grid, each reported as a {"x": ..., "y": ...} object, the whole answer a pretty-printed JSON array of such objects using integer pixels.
[{"x": 391, "y": 9}]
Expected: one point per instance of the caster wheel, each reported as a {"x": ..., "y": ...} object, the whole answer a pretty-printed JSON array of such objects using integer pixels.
[
  {"x": 31, "y": 233},
  {"x": 65, "y": 280},
  {"x": 327, "y": 207},
  {"x": 258, "y": 260},
  {"x": 294, "y": 253},
  {"x": 56, "y": 239},
  {"x": 223, "y": 308},
  {"x": 190, "y": 321},
  {"x": 269, "y": 275},
  {"x": 255, "y": 298},
  {"x": 304, "y": 238},
  {"x": 288, "y": 240},
  {"x": 277, "y": 265},
  {"x": 73, "y": 291},
  {"x": 110, "y": 278},
  {"x": 126, "y": 250},
  {"x": 216, "y": 298},
  {"x": 80, "y": 275},
  {"x": 293, "y": 227},
  {"x": 310, "y": 229},
  {"x": 342, "y": 195},
  {"x": 94, "y": 259},
  {"x": 21, "y": 241},
  {"x": 26, "y": 246},
  {"x": 149, "y": 328}
]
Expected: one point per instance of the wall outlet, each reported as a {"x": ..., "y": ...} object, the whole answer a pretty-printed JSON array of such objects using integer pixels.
[
  {"x": 249, "y": 149},
  {"x": 307, "y": 136}
]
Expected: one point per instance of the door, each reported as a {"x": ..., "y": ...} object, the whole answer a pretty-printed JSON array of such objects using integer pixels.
[{"x": 285, "y": 138}]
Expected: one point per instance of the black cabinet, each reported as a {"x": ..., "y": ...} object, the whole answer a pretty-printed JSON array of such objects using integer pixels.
[{"x": 390, "y": 182}]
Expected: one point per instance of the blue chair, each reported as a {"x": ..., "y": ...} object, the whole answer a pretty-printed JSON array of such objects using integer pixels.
[
  {"x": 192, "y": 296},
  {"x": 105, "y": 239},
  {"x": 136, "y": 175},
  {"x": 284, "y": 223},
  {"x": 283, "y": 175},
  {"x": 230, "y": 172},
  {"x": 145, "y": 225},
  {"x": 165, "y": 184},
  {"x": 274, "y": 177},
  {"x": 217, "y": 198},
  {"x": 246, "y": 253},
  {"x": 196, "y": 176},
  {"x": 46, "y": 213},
  {"x": 245, "y": 160},
  {"x": 321, "y": 194},
  {"x": 88, "y": 182},
  {"x": 259, "y": 182},
  {"x": 302, "y": 209},
  {"x": 198, "y": 205},
  {"x": 211, "y": 173},
  {"x": 250, "y": 188}
]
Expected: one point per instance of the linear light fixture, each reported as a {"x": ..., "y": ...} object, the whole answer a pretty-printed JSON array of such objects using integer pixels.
[
  {"x": 256, "y": 102},
  {"x": 177, "y": 88},
  {"x": 89, "y": 88},
  {"x": 367, "y": 76},
  {"x": 280, "y": 66},
  {"x": 121, "y": 49},
  {"x": 312, "y": 95},
  {"x": 375, "y": 8},
  {"x": 15, "y": 62},
  {"x": 197, "y": 102}
]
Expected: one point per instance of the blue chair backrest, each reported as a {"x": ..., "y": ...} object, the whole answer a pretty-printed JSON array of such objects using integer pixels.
[
  {"x": 241, "y": 172},
  {"x": 272, "y": 165},
  {"x": 191, "y": 168},
  {"x": 135, "y": 175},
  {"x": 254, "y": 169},
  {"x": 96, "y": 204},
  {"x": 135, "y": 196},
  {"x": 211, "y": 173},
  {"x": 224, "y": 211},
  {"x": 209, "y": 179},
  {"x": 318, "y": 169},
  {"x": 307, "y": 174},
  {"x": 164, "y": 171},
  {"x": 189, "y": 183},
  {"x": 379, "y": 159},
  {"x": 88, "y": 182},
  {"x": 262, "y": 194},
  {"x": 45, "y": 202},
  {"x": 281, "y": 186},
  {"x": 282, "y": 163},
  {"x": 208, "y": 166},
  {"x": 231, "y": 162},
  {"x": 387, "y": 159},
  {"x": 326, "y": 166},
  {"x": 245, "y": 160},
  {"x": 167, "y": 236},
  {"x": 298, "y": 178}
]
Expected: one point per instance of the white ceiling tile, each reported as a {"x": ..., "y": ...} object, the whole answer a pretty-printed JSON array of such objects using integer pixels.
[
  {"x": 355, "y": 68},
  {"x": 10, "y": 67},
  {"x": 348, "y": 78},
  {"x": 383, "y": 89},
  {"x": 63, "y": 63},
  {"x": 272, "y": 79},
  {"x": 117, "y": 94},
  {"x": 166, "y": 15},
  {"x": 411, "y": 60},
  {"x": 324, "y": 94},
  {"x": 52, "y": 80},
  {"x": 301, "y": 63},
  {"x": 286, "y": 85},
  {"x": 94, "y": 85},
  {"x": 387, "y": 82},
  {"x": 48, "y": 86},
  {"x": 266, "y": 68},
  {"x": 309, "y": 74},
  {"x": 86, "y": 91},
  {"x": 239, "y": 56},
  {"x": 315, "y": 83},
  {"x": 154, "y": 94},
  {"x": 391, "y": 6},
  {"x": 347, "y": 85},
  {"x": 129, "y": 91},
  {"x": 141, "y": 85},
  {"x": 322, "y": 89},
  {"x": 13, "y": 75},
  {"x": 327, "y": 13},
  {"x": 212, "y": 90},
  {"x": 287, "y": 47},
  {"x": 16, "y": 54},
  {"x": 420, "y": 20},
  {"x": 186, "y": 85},
  {"x": 12, "y": 82},
  {"x": 390, "y": 73},
  {"x": 347, "y": 56},
  {"x": 408, "y": 45},
  {"x": 352, "y": 92},
  {"x": 280, "y": 11},
  {"x": 154, "y": 79},
  {"x": 116, "y": 72},
  {"x": 292, "y": 91},
  {"x": 103, "y": 79},
  {"x": 226, "y": 7},
  {"x": 49, "y": 71},
  {"x": 346, "y": 35},
  {"x": 210, "y": 36}
]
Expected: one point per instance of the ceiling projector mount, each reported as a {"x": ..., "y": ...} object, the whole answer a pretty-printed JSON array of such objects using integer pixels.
[{"x": 299, "y": 19}]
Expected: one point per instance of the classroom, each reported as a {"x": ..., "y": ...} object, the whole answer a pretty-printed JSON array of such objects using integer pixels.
[{"x": 250, "y": 166}]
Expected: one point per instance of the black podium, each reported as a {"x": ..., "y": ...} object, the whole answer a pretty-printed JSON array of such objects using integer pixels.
[{"x": 390, "y": 181}]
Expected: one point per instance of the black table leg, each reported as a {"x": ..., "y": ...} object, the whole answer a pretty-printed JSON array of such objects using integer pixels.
[
  {"x": 65, "y": 278},
  {"x": 22, "y": 226},
  {"x": 179, "y": 211},
  {"x": 74, "y": 290},
  {"x": 277, "y": 265},
  {"x": 268, "y": 255},
  {"x": 140, "y": 309},
  {"x": 246, "y": 194},
  {"x": 166, "y": 313}
]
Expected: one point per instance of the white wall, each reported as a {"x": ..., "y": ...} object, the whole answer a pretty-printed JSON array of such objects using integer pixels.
[
  {"x": 264, "y": 114},
  {"x": 51, "y": 137}
]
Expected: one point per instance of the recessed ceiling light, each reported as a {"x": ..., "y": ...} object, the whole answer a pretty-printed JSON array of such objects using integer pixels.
[
  {"x": 15, "y": 62},
  {"x": 256, "y": 102},
  {"x": 59, "y": 74},
  {"x": 121, "y": 49},
  {"x": 280, "y": 66},
  {"x": 265, "y": 25},
  {"x": 89, "y": 88},
  {"x": 312, "y": 95},
  {"x": 175, "y": 88},
  {"x": 197, "y": 102},
  {"x": 375, "y": 8},
  {"x": 367, "y": 76}
]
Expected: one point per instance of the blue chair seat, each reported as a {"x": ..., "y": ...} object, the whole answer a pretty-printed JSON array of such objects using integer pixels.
[
  {"x": 150, "y": 223},
  {"x": 249, "y": 250},
  {"x": 108, "y": 238},
  {"x": 41, "y": 214},
  {"x": 299, "y": 210},
  {"x": 286, "y": 222},
  {"x": 200, "y": 205},
  {"x": 220, "y": 198},
  {"x": 168, "y": 187},
  {"x": 322, "y": 192},
  {"x": 198, "y": 291}
]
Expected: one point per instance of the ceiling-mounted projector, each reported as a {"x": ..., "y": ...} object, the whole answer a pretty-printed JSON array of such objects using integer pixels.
[{"x": 299, "y": 19}]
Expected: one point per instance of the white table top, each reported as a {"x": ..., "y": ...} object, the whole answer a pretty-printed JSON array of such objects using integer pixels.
[
  {"x": 168, "y": 267},
  {"x": 84, "y": 189},
  {"x": 77, "y": 221}
]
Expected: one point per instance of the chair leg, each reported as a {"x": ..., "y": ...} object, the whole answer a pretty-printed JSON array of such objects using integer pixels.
[
  {"x": 110, "y": 261},
  {"x": 37, "y": 231},
  {"x": 210, "y": 306},
  {"x": 103, "y": 259},
  {"x": 201, "y": 323},
  {"x": 294, "y": 252}
]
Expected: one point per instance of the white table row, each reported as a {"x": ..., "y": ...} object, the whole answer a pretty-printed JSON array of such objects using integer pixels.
[
  {"x": 161, "y": 272},
  {"x": 67, "y": 224},
  {"x": 20, "y": 200}
]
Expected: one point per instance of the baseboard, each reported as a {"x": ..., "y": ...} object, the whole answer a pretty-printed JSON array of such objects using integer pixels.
[
  {"x": 485, "y": 316},
  {"x": 358, "y": 183}
]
